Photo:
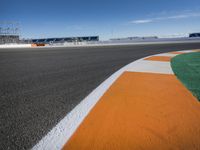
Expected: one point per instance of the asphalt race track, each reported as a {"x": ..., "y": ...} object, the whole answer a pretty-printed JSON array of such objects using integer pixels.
[{"x": 38, "y": 87}]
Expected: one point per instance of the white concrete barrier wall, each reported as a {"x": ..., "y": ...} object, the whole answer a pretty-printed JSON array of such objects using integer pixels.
[{"x": 15, "y": 45}]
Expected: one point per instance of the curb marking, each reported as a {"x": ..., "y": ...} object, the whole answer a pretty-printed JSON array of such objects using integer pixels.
[
  {"x": 61, "y": 133},
  {"x": 139, "y": 112},
  {"x": 151, "y": 67},
  {"x": 177, "y": 52},
  {"x": 159, "y": 58}
]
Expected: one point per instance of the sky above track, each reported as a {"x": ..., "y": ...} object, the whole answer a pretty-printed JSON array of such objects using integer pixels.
[{"x": 106, "y": 18}]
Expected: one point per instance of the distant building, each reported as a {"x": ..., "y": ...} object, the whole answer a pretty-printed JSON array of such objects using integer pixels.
[
  {"x": 9, "y": 32},
  {"x": 6, "y": 39},
  {"x": 194, "y": 35}
]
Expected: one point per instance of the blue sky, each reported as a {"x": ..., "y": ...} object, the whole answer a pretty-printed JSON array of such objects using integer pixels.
[{"x": 106, "y": 18}]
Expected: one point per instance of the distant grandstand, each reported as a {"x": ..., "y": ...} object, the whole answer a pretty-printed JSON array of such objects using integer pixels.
[
  {"x": 194, "y": 35},
  {"x": 9, "y": 32},
  {"x": 64, "y": 39},
  {"x": 135, "y": 38}
]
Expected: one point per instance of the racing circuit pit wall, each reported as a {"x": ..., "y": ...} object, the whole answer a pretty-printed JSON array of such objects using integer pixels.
[
  {"x": 125, "y": 42},
  {"x": 104, "y": 43}
]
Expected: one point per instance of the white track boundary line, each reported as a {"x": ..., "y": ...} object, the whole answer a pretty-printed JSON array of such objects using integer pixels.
[{"x": 61, "y": 133}]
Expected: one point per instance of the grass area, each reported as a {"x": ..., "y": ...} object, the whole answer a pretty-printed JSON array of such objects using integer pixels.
[{"x": 187, "y": 68}]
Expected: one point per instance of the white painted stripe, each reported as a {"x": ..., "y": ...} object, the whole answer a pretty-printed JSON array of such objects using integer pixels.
[
  {"x": 187, "y": 51},
  {"x": 61, "y": 133},
  {"x": 151, "y": 67},
  {"x": 167, "y": 54}
]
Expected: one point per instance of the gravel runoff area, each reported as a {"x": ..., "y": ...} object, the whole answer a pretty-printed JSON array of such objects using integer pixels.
[
  {"x": 38, "y": 87},
  {"x": 187, "y": 69}
]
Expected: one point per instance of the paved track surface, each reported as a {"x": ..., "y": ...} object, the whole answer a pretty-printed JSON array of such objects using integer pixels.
[{"x": 38, "y": 87}]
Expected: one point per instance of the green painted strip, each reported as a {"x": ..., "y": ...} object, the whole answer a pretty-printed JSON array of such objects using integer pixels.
[{"x": 187, "y": 68}]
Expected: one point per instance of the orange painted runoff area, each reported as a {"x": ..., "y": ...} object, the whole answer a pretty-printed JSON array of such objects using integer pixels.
[
  {"x": 197, "y": 50},
  {"x": 159, "y": 58},
  {"x": 176, "y": 52},
  {"x": 141, "y": 111}
]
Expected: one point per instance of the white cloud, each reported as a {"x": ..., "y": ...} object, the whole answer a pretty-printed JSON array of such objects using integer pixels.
[
  {"x": 142, "y": 21},
  {"x": 179, "y": 16}
]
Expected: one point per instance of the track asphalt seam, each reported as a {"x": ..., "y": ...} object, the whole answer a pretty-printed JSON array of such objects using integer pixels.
[{"x": 63, "y": 131}]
